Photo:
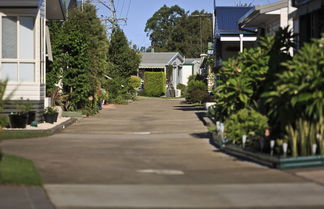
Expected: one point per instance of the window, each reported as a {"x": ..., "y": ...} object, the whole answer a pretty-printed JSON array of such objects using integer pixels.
[
  {"x": 9, "y": 37},
  {"x": 18, "y": 48}
]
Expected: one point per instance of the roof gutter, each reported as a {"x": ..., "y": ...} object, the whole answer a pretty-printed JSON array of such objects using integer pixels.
[{"x": 254, "y": 12}]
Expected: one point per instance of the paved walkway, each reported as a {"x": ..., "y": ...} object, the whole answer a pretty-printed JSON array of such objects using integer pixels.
[
  {"x": 155, "y": 154},
  {"x": 21, "y": 197}
]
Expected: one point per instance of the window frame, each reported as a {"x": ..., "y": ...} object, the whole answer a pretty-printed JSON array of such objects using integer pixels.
[{"x": 19, "y": 60}]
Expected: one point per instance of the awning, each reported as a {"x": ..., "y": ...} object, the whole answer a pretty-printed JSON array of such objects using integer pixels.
[
  {"x": 262, "y": 14},
  {"x": 151, "y": 66}
]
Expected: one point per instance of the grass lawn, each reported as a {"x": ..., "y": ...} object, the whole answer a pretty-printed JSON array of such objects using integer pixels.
[
  {"x": 21, "y": 134},
  {"x": 17, "y": 170}
]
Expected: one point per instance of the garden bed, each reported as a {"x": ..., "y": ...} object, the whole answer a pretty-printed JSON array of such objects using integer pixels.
[
  {"x": 279, "y": 162},
  {"x": 47, "y": 127}
]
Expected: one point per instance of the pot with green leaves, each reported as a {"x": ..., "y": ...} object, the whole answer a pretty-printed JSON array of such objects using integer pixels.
[{"x": 50, "y": 115}]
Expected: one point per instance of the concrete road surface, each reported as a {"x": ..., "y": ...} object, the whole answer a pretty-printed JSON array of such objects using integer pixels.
[{"x": 155, "y": 154}]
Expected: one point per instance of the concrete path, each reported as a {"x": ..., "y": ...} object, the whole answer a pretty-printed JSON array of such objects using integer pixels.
[
  {"x": 155, "y": 154},
  {"x": 21, "y": 197}
]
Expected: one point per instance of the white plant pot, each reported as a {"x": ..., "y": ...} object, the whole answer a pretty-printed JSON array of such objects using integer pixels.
[
  {"x": 314, "y": 149},
  {"x": 285, "y": 148},
  {"x": 243, "y": 140},
  {"x": 272, "y": 144}
]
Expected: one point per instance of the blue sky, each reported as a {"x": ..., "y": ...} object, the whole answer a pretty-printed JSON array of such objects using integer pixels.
[{"x": 139, "y": 11}]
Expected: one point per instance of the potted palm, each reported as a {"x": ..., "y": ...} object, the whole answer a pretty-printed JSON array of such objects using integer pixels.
[{"x": 50, "y": 115}]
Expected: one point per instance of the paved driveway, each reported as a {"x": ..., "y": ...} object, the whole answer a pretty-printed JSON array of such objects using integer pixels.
[{"x": 155, "y": 154}]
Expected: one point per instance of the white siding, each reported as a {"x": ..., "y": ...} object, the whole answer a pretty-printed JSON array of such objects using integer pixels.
[
  {"x": 186, "y": 72},
  {"x": 26, "y": 90}
]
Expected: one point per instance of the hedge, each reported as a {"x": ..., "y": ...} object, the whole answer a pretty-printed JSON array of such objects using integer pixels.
[{"x": 154, "y": 84}]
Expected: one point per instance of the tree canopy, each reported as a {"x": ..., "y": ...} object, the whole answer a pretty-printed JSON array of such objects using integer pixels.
[
  {"x": 125, "y": 59},
  {"x": 174, "y": 29}
]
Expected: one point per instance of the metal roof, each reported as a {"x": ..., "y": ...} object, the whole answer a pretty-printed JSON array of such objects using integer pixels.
[
  {"x": 54, "y": 8},
  {"x": 159, "y": 59},
  {"x": 261, "y": 14},
  {"x": 191, "y": 61},
  {"x": 227, "y": 19}
]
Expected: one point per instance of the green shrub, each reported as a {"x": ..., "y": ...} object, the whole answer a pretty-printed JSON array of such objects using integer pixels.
[
  {"x": 3, "y": 121},
  {"x": 134, "y": 82},
  {"x": 198, "y": 96},
  {"x": 3, "y": 118},
  {"x": 299, "y": 89},
  {"x": 245, "y": 122},
  {"x": 183, "y": 89},
  {"x": 194, "y": 87},
  {"x": 154, "y": 83}
]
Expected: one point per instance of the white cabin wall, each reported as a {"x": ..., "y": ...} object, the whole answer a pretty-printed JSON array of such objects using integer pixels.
[{"x": 26, "y": 90}]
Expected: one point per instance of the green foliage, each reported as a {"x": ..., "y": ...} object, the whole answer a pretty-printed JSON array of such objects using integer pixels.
[
  {"x": 183, "y": 89},
  {"x": 71, "y": 64},
  {"x": 299, "y": 89},
  {"x": 174, "y": 29},
  {"x": 118, "y": 90},
  {"x": 196, "y": 85},
  {"x": 199, "y": 96},
  {"x": 18, "y": 171},
  {"x": 96, "y": 39},
  {"x": 233, "y": 95},
  {"x": 245, "y": 122},
  {"x": 79, "y": 48},
  {"x": 303, "y": 134},
  {"x": 3, "y": 86},
  {"x": 134, "y": 82},
  {"x": 244, "y": 78},
  {"x": 50, "y": 110},
  {"x": 125, "y": 59},
  {"x": 3, "y": 119},
  {"x": 196, "y": 91},
  {"x": 154, "y": 84}
]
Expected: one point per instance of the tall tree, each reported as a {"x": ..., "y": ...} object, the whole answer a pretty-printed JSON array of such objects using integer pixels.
[
  {"x": 71, "y": 65},
  {"x": 125, "y": 59},
  {"x": 80, "y": 50},
  {"x": 174, "y": 29},
  {"x": 160, "y": 27},
  {"x": 96, "y": 38}
]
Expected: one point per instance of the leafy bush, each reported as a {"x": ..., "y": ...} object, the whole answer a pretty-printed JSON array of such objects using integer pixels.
[
  {"x": 233, "y": 95},
  {"x": 244, "y": 78},
  {"x": 198, "y": 96},
  {"x": 245, "y": 122},
  {"x": 194, "y": 87},
  {"x": 118, "y": 90},
  {"x": 300, "y": 88},
  {"x": 3, "y": 121},
  {"x": 183, "y": 89},
  {"x": 134, "y": 82},
  {"x": 3, "y": 118},
  {"x": 154, "y": 84}
]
